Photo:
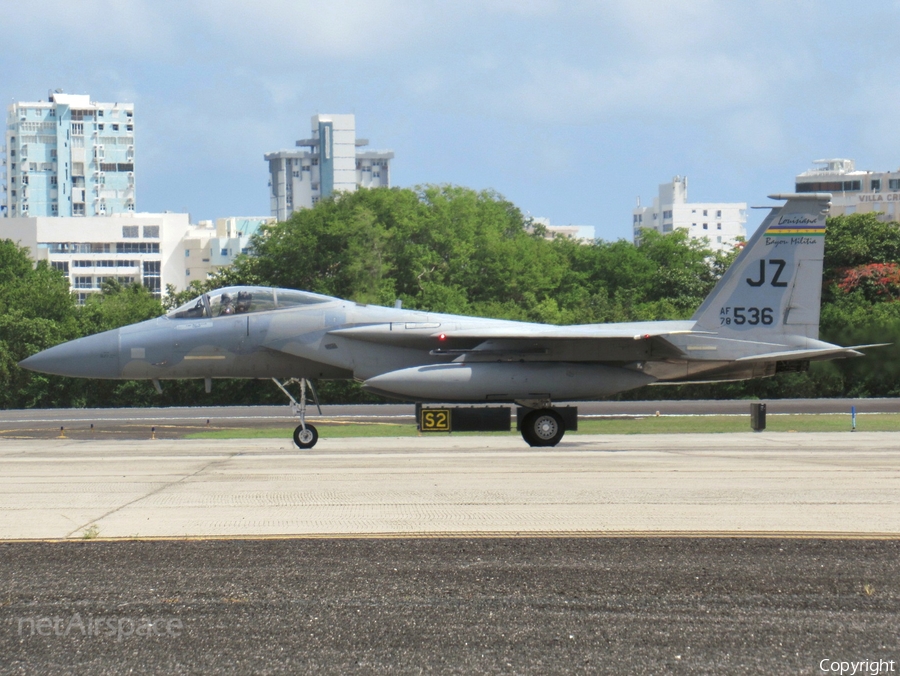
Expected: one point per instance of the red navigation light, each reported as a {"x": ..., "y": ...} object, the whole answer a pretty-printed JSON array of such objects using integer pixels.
[{"x": 443, "y": 336}]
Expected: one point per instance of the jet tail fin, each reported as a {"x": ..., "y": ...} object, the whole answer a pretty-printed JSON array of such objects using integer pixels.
[{"x": 774, "y": 286}]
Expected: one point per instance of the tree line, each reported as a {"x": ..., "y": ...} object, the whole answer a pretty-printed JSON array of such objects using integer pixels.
[{"x": 453, "y": 249}]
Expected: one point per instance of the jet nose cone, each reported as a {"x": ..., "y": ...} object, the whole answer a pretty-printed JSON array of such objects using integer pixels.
[{"x": 95, "y": 356}]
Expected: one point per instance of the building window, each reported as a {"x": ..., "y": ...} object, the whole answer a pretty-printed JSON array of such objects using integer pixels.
[
  {"x": 719, "y": 239},
  {"x": 78, "y": 209},
  {"x": 706, "y": 226},
  {"x": 226, "y": 252},
  {"x": 187, "y": 253},
  {"x": 137, "y": 247},
  {"x": 129, "y": 231},
  {"x": 705, "y": 212},
  {"x": 187, "y": 273},
  {"x": 718, "y": 226},
  {"x": 151, "y": 232},
  {"x": 693, "y": 225},
  {"x": 115, "y": 127},
  {"x": 829, "y": 186},
  {"x": 876, "y": 185},
  {"x": 718, "y": 213},
  {"x": 54, "y": 209},
  {"x": 83, "y": 282}
]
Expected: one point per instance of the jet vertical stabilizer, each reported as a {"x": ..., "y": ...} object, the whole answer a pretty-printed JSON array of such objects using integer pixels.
[{"x": 774, "y": 286}]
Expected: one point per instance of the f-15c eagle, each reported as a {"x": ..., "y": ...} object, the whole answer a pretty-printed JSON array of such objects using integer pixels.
[{"x": 760, "y": 319}]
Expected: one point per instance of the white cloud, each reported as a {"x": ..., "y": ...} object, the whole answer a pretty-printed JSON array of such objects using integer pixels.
[{"x": 338, "y": 29}]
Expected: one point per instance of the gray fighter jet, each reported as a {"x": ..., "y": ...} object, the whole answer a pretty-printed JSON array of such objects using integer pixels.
[{"x": 762, "y": 318}]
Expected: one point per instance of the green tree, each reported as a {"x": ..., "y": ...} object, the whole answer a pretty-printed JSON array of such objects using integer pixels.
[{"x": 38, "y": 312}]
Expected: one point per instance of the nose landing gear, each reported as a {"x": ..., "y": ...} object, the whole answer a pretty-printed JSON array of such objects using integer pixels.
[{"x": 305, "y": 435}]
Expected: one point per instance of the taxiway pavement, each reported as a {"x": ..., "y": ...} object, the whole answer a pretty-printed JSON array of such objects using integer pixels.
[{"x": 770, "y": 483}]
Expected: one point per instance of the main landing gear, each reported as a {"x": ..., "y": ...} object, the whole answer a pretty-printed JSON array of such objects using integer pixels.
[
  {"x": 305, "y": 435},
  {"x": 543, "y": 424},
  {"x": 542, "y": 427}
]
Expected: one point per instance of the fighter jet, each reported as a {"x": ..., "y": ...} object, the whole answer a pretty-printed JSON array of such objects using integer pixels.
[{"x": 762, "y": 318}]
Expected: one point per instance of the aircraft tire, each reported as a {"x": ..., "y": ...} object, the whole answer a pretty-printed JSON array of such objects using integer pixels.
[
  {"x": 543, "y": 427},
  {"x": 307, "y": 439}
]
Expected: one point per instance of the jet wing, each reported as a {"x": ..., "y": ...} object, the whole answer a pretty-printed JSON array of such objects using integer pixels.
[
  {"x": 393, "y": 333},
  {"x": 590, "y": 342}
]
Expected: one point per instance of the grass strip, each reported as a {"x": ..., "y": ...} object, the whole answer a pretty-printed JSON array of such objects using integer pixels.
[{"x": 886, "y": 422}]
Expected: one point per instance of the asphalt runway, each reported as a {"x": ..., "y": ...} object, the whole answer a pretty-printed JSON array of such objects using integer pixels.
[
  {"x": 176, "y": 422},
  {"x": 450, "y": 606}
]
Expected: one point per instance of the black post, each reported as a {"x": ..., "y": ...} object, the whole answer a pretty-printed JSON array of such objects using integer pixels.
[{"x": 757, "y": 416}]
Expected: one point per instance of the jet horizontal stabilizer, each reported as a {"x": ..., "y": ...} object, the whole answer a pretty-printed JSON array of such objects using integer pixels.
[{"x": 810, "y": 355}]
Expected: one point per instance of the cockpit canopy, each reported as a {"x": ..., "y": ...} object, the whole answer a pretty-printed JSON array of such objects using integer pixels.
[{"x": 236, "y": 300}]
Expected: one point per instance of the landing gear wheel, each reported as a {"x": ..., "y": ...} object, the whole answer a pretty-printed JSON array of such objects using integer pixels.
[
  {"x": 306, "y": 438},
  {"x": 543, "y": 427}
]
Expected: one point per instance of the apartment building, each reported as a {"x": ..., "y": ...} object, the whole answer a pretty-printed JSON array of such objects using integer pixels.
[
  {"x": 722, "y": 224},
  {"x": 68, "y": 156},
  {"x": 329, "y": 161}
]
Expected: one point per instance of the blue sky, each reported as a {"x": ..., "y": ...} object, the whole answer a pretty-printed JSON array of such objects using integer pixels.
[{"x": 570, "y": 109}]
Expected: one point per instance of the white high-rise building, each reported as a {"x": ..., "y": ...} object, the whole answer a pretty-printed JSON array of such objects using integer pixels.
[
  {"x": 332, "y": 163},
  {"x": 721, "y": 223},
  {"x": 853, "y": 191},
  {"x": 68, "y": 156}
]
